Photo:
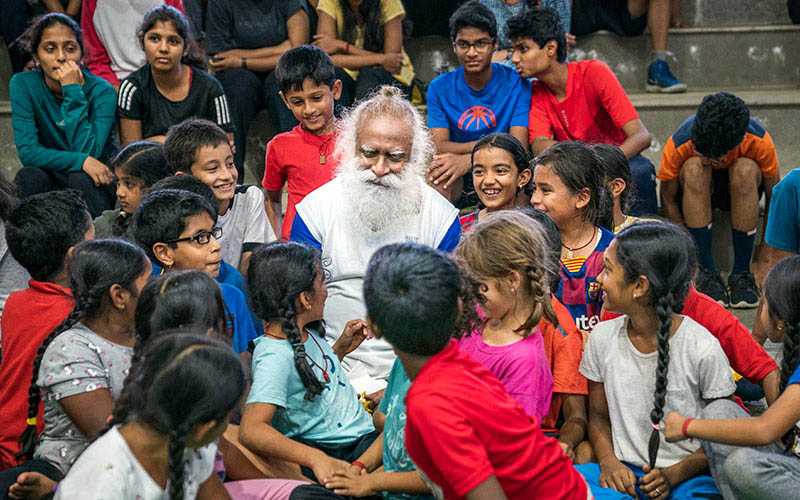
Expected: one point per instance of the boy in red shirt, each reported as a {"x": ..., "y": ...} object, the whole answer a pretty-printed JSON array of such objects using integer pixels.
[
  {"x": 41, "y": 232},
  {"x": 580, "y": 101},
  {"x": 467, "y": 436},
  {"x": 304, "y": 155}
]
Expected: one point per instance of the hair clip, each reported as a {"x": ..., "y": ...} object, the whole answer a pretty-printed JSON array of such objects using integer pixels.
[{"x": 656, "y": 427}]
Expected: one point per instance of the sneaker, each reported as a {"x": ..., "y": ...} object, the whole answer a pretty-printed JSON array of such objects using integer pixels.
[
  {"x": 660, "y": 79},
  {"x": 712, "y": 285},
  {"x": 743, "y": 291}
]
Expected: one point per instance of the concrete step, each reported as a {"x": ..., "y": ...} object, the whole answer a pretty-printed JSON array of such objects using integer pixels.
[
  {"x": 754, "y": 57},
  {"x": 734, "y": 12}
]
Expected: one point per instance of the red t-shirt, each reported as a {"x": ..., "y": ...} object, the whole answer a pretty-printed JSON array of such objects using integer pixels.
[
  {"x": 594, "y": 111},
  {"x": 745, "y": 355},
  {"x": 28, "y": 317},
  {"x": 463, "y": 428},
  {"x": 296, "y": 156},
  {"x": 564, "y": 349}
]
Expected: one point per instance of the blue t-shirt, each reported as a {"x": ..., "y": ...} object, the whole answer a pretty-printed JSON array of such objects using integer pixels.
[
  {"x": 393, "y": 405},
  {"x": 795, "y": 378},
  {"x": 334, "y": 417},
  {"x": 470, "y": 114},
  {"x": 783, "y": 225}
]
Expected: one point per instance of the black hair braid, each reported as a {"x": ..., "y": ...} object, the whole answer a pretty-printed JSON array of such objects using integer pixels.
[
  {"x": 177, "y": 470},
  {"x": 791, "y": 355},
  {"x": 28, "y": 439},
  {"x": 664, "y": 309},
  {"x": 288, "y": 321}
]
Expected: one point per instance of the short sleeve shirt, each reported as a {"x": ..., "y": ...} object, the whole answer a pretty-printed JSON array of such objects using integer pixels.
[
  {"x": 698, "y": 370},
  {"x": 783, "y": 225},
  {"x": 333, "y": 417},
  {"x": 594, "y": 110},
  {"x": 244, "y": 225},
  {"x": 470, "y": 114},
  {"x": 76, "y": 361},
  {"x": 140, "y": 99},
  {"x": 248, "y": 24}
]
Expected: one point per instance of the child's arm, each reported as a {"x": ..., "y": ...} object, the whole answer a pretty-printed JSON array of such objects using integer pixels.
[
  {"x": 614, "y": 474},
  {"x": 89, "y": 411},
  {"x": 130, "y": 130},
  {"x": 212, "y": 489},
  {"x": 756, "y": 431},
  {"x": 273, "y": 209},
  {"x": 573, "y": 431},
  {"x": 346, "y": 55},
  {"x": 638, "y": 138},
  {"x": 258, "y": 435},
  {"x": 665, "y": 479},
  {"x": 487, "y": 490}
]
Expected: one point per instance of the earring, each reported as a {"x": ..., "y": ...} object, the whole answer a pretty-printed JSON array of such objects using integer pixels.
[
  {"x": 635, "y": 296},
  {"x": 779, "y": 326}
]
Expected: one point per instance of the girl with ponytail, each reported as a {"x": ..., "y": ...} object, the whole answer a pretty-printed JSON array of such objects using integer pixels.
[
  {"x": 301, "y": 407},
  {"x": 647, "y": 362},
  {"x": 80, "y": 367},
  {"x": 771, "y": 468},
  {"x": 161, "y": 438}
]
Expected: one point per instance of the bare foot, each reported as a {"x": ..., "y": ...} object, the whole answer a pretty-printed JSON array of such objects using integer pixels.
[{"x": 31, "y": 486}]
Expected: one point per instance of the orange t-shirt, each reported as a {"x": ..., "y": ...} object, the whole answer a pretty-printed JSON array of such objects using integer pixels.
[{"x": 564, "y": 348}]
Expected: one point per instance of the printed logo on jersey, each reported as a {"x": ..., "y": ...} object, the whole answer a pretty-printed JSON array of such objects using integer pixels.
[
  {"x": 477, "y": 118},
  {"x": 593, "y": 290}
]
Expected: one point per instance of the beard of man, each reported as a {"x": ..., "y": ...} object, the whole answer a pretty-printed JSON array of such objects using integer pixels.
[{"x": 378, "y": 205}]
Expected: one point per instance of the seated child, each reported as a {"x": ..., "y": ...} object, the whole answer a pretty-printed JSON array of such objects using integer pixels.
[
  {"x": 200, "y": 148},
  {"x": 745, "y": 455},
  {"x": 506, "y": 256},
  {"x": 467, "y": 436},
  {"x": 618, "y": 182},
  {"x": 303, "y": 157},
  {"x": 167, "y": 90},
  {"x": 13, "y": 277},
  {"x": 81, "y": 365},
  {"x": 177, "y": 231},
  {"x": 647, "y": 271},
  {"x": 500, "y": 171},
  {"x": 41, "y": 232},
  {"x": 568, "y": 187},
  {"x": 136, "y": 168},
  {"x": 301, "y": 407},
  {"x": 62, "y": 117}
]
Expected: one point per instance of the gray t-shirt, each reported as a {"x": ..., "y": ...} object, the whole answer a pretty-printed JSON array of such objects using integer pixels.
[
  {"x": 244, "y": 225},
  {"x": 76, "y": 361},
  {"x": 698, "y": 370}
]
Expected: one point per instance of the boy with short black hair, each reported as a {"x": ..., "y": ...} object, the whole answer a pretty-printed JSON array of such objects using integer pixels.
[
  {"x": 303, "y": 156},
  {"x": 466, "y": 435},
  {"x": 200, "y": 148},
  {"x": 41, "y": 232},
  {"x": 177, "y": 230},
  {"x": 472, "y": 101},
  {"x": 578, "y": 101}
]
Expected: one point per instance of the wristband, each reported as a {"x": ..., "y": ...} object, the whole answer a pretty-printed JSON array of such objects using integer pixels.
[
  {"x": 244, "y": 63},
  {"x": 685, "y": 428},
  {"x": 359, "y": 464}
]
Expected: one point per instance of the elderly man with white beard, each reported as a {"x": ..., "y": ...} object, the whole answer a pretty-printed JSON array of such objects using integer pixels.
[{"x": 378, "y": 197}]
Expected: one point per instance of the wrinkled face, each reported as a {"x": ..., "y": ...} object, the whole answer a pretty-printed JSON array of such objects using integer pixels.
[
  {"x": 163, "y": 46},
  {"x": 214, "y": 166},
  {"x": 194, "y": 256},
  {"x": 383, "y": 148},
  {"x": 474, "y": 48},
  {"x": 529, "y": 59},
  {"x": 313, "y": 105},
  {"x": 129, "y": 190},
  {"x": 496, "y": 178},
  {"x": 58, "y": 45}
]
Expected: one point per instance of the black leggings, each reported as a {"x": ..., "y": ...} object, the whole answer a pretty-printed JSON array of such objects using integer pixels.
[
  {"x": 34, "y": 180},
  {"x": 9, "y": 476}
]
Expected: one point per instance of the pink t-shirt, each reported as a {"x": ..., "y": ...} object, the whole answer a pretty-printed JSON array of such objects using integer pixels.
[{"x": 522, "y": 368}]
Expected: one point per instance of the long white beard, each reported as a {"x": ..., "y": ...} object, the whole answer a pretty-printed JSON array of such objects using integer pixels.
[{"x": 380, "y": 205}]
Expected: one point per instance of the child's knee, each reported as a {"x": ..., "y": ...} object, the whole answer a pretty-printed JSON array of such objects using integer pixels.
[
  {"x": 722, "y": 408},
  {"x": 744, "y": 175},
  {"x": 739, "y": 469},
  {"x": 584, "y": 453}
]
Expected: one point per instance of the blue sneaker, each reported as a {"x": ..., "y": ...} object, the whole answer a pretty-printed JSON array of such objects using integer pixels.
[{"x": 660, "y": 79}]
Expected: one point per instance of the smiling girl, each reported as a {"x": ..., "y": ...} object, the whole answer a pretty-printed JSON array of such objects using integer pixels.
[
  {"x": 500, "y": 169},
  {"x": 166, "y": 90},
  {"x": 62, "y": 117}
]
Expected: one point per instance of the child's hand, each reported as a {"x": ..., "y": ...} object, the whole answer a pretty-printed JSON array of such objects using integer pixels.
[
  {"x": 568, "y": 451},
  {"x": 352, "y": 484},
  {"x": 393, "y": 62},
  {"x": 614, "y": 474},
  {"x": 654, "y": 484},
  {"x": 31, "y": 485},
  {"x": 329, "y": 44},
  {"x": 446, "y": 168},
  {"x": 355, "y": 332},
  {"x": 674, "y": 427},
  {"x": 326, "y": 466}
]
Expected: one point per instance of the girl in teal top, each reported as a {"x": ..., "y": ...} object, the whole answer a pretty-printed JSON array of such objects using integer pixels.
[{"x": 62, "y": 117}]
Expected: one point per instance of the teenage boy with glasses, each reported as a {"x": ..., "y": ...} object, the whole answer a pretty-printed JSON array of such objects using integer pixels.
[{"x": 472, "y": 101}]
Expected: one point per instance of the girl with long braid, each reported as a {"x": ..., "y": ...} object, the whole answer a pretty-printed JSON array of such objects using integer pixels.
[
  {"x": 161, "y": 438},
  {"x": 80, "y": 367},
  {"x": 771, "y": 468},
  {"x": 301, "y": 407},
  {"x": 646, "y": 363}
]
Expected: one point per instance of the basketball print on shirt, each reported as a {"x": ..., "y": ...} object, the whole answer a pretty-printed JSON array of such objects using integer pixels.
[{"x": 477, "y": 117}]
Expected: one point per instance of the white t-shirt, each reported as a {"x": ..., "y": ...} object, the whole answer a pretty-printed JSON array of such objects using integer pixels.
[
  {"x": 346, "y": 255},
  {"x": 244, "y": 225},
  {"x": 108, "y": 470},
  {"x": 698, "y": 370}
]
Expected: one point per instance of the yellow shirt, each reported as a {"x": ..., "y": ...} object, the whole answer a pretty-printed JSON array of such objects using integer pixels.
[{"x": 390, "y": 9}]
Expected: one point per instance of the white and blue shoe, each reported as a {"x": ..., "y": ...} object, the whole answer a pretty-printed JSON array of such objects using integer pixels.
[{"x": 660, "y": 79}]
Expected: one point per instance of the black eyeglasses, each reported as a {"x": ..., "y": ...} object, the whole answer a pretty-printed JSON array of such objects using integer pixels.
[
  {"x": 481, "y": 45},
  {"x": 201, "y": 238}
]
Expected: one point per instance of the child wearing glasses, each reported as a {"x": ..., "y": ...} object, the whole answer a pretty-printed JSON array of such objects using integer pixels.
[
  {"x": 472, "y": 101},
  {"x": 177, "y": 229},
  {"x": 200, "y": 148}
]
